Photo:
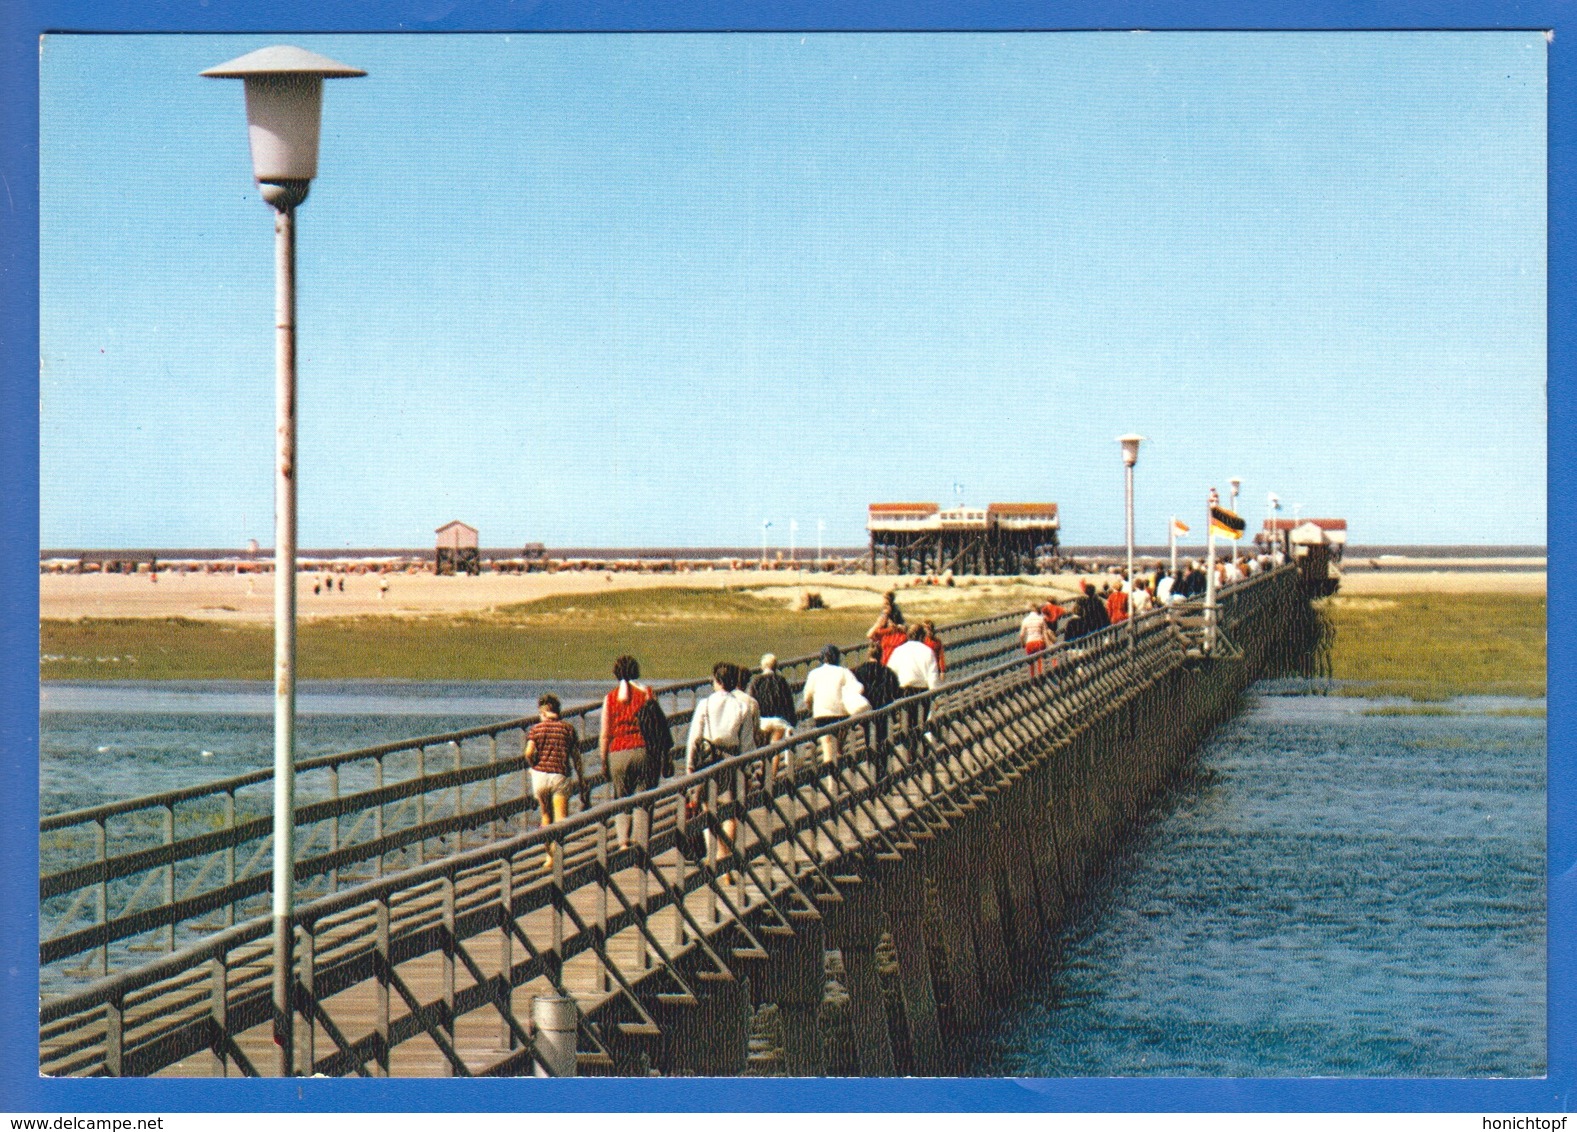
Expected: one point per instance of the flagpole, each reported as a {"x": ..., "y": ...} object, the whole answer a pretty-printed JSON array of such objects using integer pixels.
[
  {"x": 1171, "y": 532},
  {"x": 1210, "y": 572}
]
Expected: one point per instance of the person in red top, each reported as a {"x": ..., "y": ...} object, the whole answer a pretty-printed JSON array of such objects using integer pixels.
[
  {"x": 619, "y": 741},
  {"x": 1117, "y": 606},
  {"x": 889, "y": 631},
  {"x": 1052, "y": 612}
]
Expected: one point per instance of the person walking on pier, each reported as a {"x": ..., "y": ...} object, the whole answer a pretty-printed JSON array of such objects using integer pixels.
[
  {"x": 832, "y": 693},
  {"x": 775, "y": 699},
  {"x": 935, "y": 644},
  {"x": 915, "y": 666},
  {"x": 1032, "y": 634},
  {"x": 880, "y": 688},
  {"x": 619, "y": 741},
  {"x": 552, "y": 750},
  {"x": 722, "y": 726},
  {"x": 1117, "y": 606}
]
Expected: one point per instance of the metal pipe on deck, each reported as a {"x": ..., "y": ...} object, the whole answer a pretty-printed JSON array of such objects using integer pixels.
[{"x": 555, "y": 1018}]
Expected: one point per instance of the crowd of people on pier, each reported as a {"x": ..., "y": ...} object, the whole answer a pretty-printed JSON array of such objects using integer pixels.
[
  {"x": 743, "y": 712},
  {"x": 746, "y": 710}
]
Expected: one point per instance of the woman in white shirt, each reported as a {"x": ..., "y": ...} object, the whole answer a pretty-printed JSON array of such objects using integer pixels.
[
  {"x": 728, "y": 723},
  {"x": 831, "y": 693}
]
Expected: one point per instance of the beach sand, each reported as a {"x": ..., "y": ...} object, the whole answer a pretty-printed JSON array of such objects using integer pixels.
[{"x": 249, "y": 598}]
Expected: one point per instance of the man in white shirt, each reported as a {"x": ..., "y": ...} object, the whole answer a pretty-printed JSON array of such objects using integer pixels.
[
  {"x": 914, "y": 663},
  {"x": 830, "y": 691}
]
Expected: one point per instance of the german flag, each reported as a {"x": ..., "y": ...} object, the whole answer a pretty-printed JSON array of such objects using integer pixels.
[{"x": 1226, "y": 522}]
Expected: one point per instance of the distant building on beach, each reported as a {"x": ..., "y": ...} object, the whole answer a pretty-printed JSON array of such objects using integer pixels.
[
  {"x": 926, "y": 538},
  {"x": 458, "y": 550}
]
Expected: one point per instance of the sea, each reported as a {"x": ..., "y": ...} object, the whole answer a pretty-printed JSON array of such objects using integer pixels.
[{"x": 1335, "y": 886}]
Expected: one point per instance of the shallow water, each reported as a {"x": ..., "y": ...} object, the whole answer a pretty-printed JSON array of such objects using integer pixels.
[
  {"x": 101, "y": 742},
  {"x": 1330, "y": 893}
]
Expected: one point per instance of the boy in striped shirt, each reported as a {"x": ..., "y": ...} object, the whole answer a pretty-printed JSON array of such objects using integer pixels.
[{"x": 552, "y": 748}]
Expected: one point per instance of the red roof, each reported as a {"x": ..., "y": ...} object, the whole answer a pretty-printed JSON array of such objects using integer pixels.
[
  {"x": 926, "y": 507},
  {"x": 1289, "y": 524}
]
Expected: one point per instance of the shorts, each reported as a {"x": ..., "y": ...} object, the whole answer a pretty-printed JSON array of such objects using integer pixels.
[
  {"x": 1033, "y": 647},
  {"x": 545, "y": 782},
  {"x": 771, "y": 721}
]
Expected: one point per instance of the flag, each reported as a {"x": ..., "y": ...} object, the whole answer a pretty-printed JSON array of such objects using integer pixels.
[
  {"x": 1179, "y": 527},
  {"x": 1226, "y": 522}
]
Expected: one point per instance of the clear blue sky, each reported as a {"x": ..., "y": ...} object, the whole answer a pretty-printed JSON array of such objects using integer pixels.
[{"x": 654, "y": 289}]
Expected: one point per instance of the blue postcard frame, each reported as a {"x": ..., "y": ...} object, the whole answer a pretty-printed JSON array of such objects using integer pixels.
[{"x": 22, "y": 1090}]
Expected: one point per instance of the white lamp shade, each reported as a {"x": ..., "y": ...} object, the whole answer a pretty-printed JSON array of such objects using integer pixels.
[
  {"x": 283, "y": 113},
  {"x": 1130, "y": 443},
  {"x": 284, "y": 104}
]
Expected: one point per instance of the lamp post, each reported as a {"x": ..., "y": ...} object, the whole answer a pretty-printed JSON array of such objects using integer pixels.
[
  {"x": 1236, "y": 482},
  {"x": 821, "y": 529},
  {"x": 1130, "y": 442},
  {"x": 765, "y": 525},
  {"x": 793, "y": 537},
  {"x": 284, "y": 103}
]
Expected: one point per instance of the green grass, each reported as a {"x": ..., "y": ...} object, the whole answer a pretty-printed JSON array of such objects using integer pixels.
[
  {"x": 675, "y": 633},
  {"x": 1432, "y": 646}
]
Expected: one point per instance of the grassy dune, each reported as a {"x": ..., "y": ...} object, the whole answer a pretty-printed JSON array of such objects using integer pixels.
[
  {"x": 1425, "y": 646},
  {"x": 1431, "y": 646},
  {"x": 675, "y": 633}
]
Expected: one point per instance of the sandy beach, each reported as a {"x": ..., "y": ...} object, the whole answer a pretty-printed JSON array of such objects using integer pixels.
[{"x": 249, "y": 598}]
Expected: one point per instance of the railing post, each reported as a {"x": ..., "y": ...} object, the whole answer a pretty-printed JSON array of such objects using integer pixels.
[
  {"x": 459, "y": 800},
  {"x": 306, "y": 1063},
  {"x": 449, "y": 946},
  {"x": 169, "y": 874},
  {"x": 100, "y": 844},
  {"x": 492, "y": 783},
  {"x": 219, "y": 1011},
  {"x": 114, "y": 1035},
  {"x": 377, "y": 824},
  {"x": 601, "y": 924},
  {"x": 383, "y": 964},
  {"x": 334, "y": 826},
  {"x": 230, "y": 856},
  {"x": 421, "y": 805},
  {"x": 506, "y": 950}
]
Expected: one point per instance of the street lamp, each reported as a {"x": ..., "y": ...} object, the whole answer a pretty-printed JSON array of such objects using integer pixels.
[
  {"x": 1236, "y": 482},
  {"x": 1130, "y": 442},
  {"x": 821, "y": 530},
  {"x": 766, "y": 525},
  {"x": 284, "y": 103}
]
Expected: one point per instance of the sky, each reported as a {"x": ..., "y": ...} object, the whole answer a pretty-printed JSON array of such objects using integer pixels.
[{"x": 658, "y": 289}]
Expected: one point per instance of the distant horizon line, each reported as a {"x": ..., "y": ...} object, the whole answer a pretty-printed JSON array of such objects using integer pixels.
[{"x": 1459, "y": 549}]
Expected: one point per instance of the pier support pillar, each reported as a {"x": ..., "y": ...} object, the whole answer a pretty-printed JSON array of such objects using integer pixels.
[
  {"x": 795, "y": 978},
  {"x": 855, "y": 930},
  {"x": 710, "y": 1039},
  {"x": 963, "y": 966},
  {"x": 867, "y": 1012},
  {"x": 905, "y": 897}
]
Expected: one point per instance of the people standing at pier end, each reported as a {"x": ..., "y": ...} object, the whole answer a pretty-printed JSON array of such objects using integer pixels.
[
  {"x": 831, "y": 694},
  {"x": 722, "y": 726},
  {"x": 619, "y": 741},
  {"x": 552, "y": 750}
]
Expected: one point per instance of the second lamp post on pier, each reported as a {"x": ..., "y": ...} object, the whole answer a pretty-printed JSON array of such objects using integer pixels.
[
  {"x": 1130, "y": 442},
  {"x": 284, "y": 103}
]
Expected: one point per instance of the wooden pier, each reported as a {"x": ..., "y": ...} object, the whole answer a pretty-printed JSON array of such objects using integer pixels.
[{"x": 872, "y": 907}]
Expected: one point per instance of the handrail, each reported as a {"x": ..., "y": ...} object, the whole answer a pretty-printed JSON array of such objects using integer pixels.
[
  {"x": 110, "y": 876},
  {"x": 1090, "y": 675}
]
